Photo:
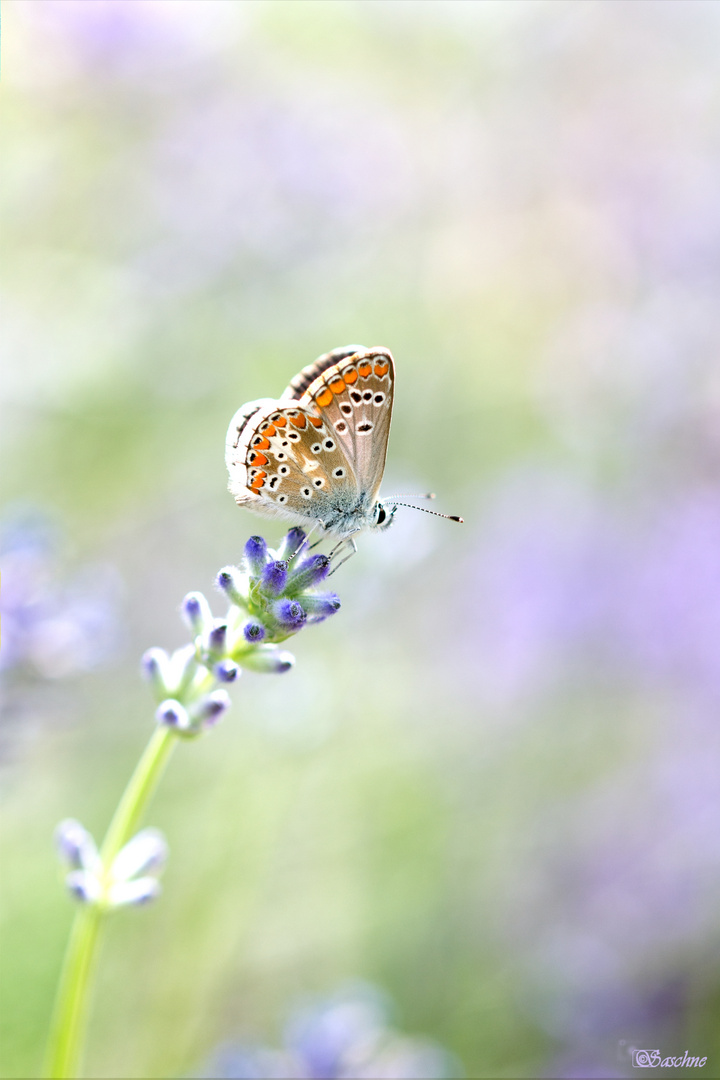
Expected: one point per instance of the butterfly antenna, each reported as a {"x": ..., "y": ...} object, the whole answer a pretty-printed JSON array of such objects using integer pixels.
[{"x": 435, "y": 513}]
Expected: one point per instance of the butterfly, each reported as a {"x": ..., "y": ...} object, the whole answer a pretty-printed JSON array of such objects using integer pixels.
[{"x": 316, "y": 455}]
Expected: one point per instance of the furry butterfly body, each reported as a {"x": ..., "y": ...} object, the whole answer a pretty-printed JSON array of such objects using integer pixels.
[{"x": 316, "y": 455}]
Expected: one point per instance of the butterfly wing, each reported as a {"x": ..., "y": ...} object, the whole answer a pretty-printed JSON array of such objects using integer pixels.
[
  {"x": 351, "y": 389},
  {"x": 285, "y": 461}
]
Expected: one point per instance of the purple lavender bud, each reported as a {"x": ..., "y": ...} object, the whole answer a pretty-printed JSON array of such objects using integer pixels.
[
  {"x": 75, "y": 845},
  {"x": 234, "y": 584},
  {"x": 291, "y": 543},
  {"x": 274, "y": 577},
  {"x": 154, "y": 665},
  {"x": 226, "y": 671},
  {"x": 268, "y": 659},
  {"x": 139, "y": 891},
  {"x": 310, "y": 572},
  {"x": 83, "y": 886},
  {"x": 217, "y": 638},
  {"x": 289, "y": 614},
  {"x": 253, "y": 632},
  {"x": 320, "y": 605},
  {"x": 172, "y": 714},
  {"x": 146, "y": 853},
  {"x": 210, "y": 708},
  {"x": 196, "y": 611},
  {"x": 256, "y": 553}
]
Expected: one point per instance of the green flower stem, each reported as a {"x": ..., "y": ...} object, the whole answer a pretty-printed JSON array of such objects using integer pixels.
[{"x": 68, "y": 1025}]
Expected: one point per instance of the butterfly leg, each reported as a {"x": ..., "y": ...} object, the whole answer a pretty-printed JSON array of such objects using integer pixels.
[{"x": 353, "y": 551}]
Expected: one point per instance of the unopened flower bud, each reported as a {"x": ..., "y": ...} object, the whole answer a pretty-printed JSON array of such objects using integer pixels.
[
  {"x": 226, "y": 671},
  {"x": 253, "y": 632},
  {"x": 289, "y": 613},
  {"x": 139, "y": 891},
  {"x": 155, "y": 668},
  {"x": 196, "y": 612},
  {"x": 256, "y": 553},
  {"x": 320, "y": 605},
  {"x": 83, "y": 886},
  {"x": 211, "y": 708},
  {"x": 274, "y": 577},
  {"x": 146, "y": 853},
  {"x": 75, "y": 845},
  {"x": 291, "y": 543},
  {"x": 217, "y": 639},
  {"x": 310, "y": 572},
  {"x": 234, "y": 584},
  {"x": 268, "y": 659},
  {"x": 172, "y": 714}
]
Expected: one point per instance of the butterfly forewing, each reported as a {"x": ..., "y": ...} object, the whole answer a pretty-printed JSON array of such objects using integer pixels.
[
  {"x": 300, "y": 383},
  {"x": 354, "y": 397}
]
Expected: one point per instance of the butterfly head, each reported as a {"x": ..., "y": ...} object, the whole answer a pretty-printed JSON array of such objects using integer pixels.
[{"x": 382, "y": 516}]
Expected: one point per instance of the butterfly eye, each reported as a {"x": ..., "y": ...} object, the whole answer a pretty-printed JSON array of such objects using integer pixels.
[{"x": 382, "y": 514}]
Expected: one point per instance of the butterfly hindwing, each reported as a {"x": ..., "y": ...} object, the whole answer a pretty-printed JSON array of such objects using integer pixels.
[{"x": 285, "y": 461}]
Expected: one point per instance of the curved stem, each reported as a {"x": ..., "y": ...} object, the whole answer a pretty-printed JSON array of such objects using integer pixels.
[{"x": 71, "y": 1006}]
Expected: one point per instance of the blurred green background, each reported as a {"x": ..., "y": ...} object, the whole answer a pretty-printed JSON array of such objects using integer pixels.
[{"x": 490, "y": 785}]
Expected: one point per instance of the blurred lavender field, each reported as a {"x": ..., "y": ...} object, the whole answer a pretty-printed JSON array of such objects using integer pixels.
[{"x": 491, "y": 787}]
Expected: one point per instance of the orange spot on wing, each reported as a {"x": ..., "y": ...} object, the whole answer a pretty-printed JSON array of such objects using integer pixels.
[
  {"x": 315, "y": 421},
  {"x": 268, "y": 431},
  {"x": 258, "y": 481},
  {"x": 299, "y": 420},
  {"x": 281, "y": 421},
  {"x": 338, "y": 386},
  {"x": 350, "y": 375},
  {"x": 258, "y": 459},
  {"x": 381, "y": 369},
  {"x": 324, "y": 398},
  {"x": 261, "y": 444},
  {"x": 364, "y": 370}
]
